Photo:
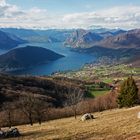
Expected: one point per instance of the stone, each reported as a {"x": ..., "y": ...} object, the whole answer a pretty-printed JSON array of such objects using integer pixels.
[
  {"x": 12, "y": 132},
  {"x": 1, "y": 134},
  {"x": 87, "y": 116}
]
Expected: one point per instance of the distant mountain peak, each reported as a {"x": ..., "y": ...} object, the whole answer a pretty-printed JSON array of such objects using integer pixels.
[
  {"x": 8, "y": 41},
  {"x": 82, "y": 38}
]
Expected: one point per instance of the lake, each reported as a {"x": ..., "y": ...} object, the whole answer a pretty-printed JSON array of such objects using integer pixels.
[{"x": 71, "y": 61}]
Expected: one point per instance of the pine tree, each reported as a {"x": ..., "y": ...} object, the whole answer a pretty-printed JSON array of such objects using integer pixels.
[{"x": 128, "y": 93}]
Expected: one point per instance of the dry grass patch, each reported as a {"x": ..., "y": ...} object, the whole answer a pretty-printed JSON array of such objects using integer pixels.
[{"x": 118, "y": 124}]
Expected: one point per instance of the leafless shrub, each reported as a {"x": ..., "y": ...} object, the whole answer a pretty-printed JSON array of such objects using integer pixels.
[{"x": 100, "y": 103}]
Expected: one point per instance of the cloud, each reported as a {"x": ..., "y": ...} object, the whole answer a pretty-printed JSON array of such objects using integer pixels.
[
  {"x": 7, "y": 10},
  {"x": 13, "y": 16},
  {"x": 122, "y": 17},
  {"x": 2, "y": 3}
]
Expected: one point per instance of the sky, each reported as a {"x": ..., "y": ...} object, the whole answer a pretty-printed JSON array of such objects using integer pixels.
[{"x": 67, "y": 14}]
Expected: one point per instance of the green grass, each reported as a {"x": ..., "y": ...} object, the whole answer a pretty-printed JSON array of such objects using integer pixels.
[
  {"x": 137, "y": 70},
  {"x": 108, "y": 80},
  {"x": 97, "y": 93}
]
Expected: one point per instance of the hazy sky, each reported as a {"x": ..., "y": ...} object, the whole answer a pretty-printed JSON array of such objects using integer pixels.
[{"x": 70, "y": 13}]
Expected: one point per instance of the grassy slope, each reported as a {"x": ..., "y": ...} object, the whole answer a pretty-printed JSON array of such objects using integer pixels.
[
  {"x": 116, "y": 124},
  {"x": 97, "y": 93}
]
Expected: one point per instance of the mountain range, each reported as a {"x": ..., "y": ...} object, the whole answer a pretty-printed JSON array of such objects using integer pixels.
[
  {"x": 81, "y": 38},
  {"x": 129, "y": 39},
  {"x": 99, "y": 42},
  {"x": 118, "y": 44},
  {"x": 8, "y": 41},
  {"x": 36, "y": 35}
]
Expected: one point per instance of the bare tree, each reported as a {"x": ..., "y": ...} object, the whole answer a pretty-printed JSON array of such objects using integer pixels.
[
  {"x": 8, "y": 107},
  {"x": 27, "y": 105},
  {"x": 74, "y": 96},
  {"x": 40, "y": 108},
  {"x": 34, "y": 108}
]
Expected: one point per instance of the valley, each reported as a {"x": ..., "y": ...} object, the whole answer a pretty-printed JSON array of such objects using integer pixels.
[
  {"x": 79, "y": 47},
  {"x": 57, "y": 74},
  {"x": 69, "y": 70}
]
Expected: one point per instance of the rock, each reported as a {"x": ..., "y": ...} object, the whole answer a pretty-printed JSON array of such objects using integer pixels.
[
  {"x": 87, "y": 116},
  {"x": 138, "y": 116},
  {"x": 12, "y": 132},
  {"x": 1, "y": 134}
]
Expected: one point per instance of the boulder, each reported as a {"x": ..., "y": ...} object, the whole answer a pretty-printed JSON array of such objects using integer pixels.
[
  {"x": 87, "y": 116},
  {"x": 1, "y": 134},
  {"x": 12, "y": 132}
]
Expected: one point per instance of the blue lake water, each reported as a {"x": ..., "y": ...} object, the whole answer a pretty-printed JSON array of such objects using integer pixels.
[{"x": 71, "y": 61}]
